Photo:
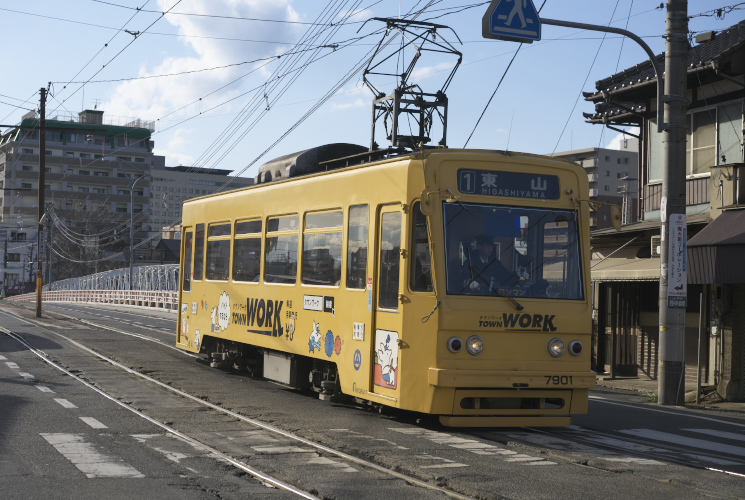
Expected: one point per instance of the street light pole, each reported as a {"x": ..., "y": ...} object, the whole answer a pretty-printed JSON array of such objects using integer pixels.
[{"x": 132, "y": 230}]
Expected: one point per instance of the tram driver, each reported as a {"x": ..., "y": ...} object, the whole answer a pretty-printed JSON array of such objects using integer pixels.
[{"x": 483, "y": 273}]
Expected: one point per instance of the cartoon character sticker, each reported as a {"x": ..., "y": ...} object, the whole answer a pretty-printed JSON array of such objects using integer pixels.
[
  {"x": 330, "y": 343},
  {"x": 315, "y": 338},
  {"x": 221, "y": 314},
  {"x": 197, "y": 339},
  {"x": 386, "y": 359}
]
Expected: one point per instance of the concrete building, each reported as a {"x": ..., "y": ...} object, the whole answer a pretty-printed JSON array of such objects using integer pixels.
[
  {"x": 613, "y": 179},
  {"x": 97, "y": 175},
  {"x": 100, "y": 173},
  {"x": 171, "y": 186}
]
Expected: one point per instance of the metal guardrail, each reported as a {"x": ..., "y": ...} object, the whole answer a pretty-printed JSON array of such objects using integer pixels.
[
  {"x": 164, "y": 277},
  {"x": 165, "y": 300}
]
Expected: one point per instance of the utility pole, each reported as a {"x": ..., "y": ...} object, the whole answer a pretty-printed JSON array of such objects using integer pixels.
[
  {"x": 42, "y": 168},
  {"x": 673, "y": 230}
]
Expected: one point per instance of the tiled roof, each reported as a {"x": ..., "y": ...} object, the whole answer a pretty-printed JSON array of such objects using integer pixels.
[{"x": 702, "y": 54}]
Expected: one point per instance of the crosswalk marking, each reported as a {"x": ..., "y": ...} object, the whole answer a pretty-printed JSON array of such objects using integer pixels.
[
  {"x": 65, "y": 403},
  {"x": 44, "y": 388},
  {"x": 27, "y": 376},
  {"x": 93, "y": 422},
  {"x": 471, "y": 445},
  {"x": 722, "y": 434},
  {"x": 12, "y": 365},
  {"x": 3, "y": 358},
  {"x": 87, "y": 459},
  {"x": 685, "y": 441}
]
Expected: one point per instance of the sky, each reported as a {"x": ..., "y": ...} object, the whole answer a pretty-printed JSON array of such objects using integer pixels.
[{"x": 231, "y": 84}]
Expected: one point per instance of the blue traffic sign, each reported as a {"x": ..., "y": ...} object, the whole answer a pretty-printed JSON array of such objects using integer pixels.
[{"x": 512, "y": 20}]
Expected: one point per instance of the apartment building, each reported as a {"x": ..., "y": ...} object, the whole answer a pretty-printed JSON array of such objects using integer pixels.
[{"x": 613, "y": 179}]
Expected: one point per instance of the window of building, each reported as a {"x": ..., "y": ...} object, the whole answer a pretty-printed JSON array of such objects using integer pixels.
[
  {"x": 618, "y": 160},
  {"x": 701, "y": 142},
  {"x": 72, "y": 137},
  {"x": 83, "y": 189},
  {"x": 607, "y": 188},
  {"x": 100, "y": 190},
  {"x": 619, "y": 175},
  {"x": 626, "y": 160},
  {"x": 27, "y": 168},
  {"x": 97, "y": 157},
  {"x": 607, "y": 173},
  {"x": 101, "y": 174},
  {"x": 69, "y": 154},
  {"x": 619, "y": 189},
  {"x": 48, "y": 152},
  {"x": 85, "y": 155},
  {"x": 280, "y": 261},
  {"x": 247, "y": 250},
  {"x": 607, "y": 158},
  {"x": 139, "y": 160},
  {"x": 27, "y": 151},
  {"x": 14, "y": 257},
  {"x": 84, "y": 172},
  {"x": 124, "y": 158},
  {"x": 47, "y": 169}
]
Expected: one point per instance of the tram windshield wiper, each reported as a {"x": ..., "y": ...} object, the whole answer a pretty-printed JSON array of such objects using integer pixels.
[{"x": 497, "y": 289}]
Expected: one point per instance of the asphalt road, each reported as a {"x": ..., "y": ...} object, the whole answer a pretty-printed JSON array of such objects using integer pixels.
[{"x": 624, "y": 448}]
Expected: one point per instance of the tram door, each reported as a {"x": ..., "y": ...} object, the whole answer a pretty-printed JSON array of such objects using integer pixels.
[
  {"x": 387, "y": 330},
  {"x": 183, "y": 326}
]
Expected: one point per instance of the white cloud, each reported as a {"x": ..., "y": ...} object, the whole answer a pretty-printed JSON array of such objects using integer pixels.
[
  {"x": 153, "y": 98},
  {"x": 174, "y": 148},
  {"x": 361, "y": 15}
]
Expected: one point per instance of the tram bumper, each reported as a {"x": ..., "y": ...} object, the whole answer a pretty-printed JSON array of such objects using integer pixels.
[{"x": 490, "y": 398}]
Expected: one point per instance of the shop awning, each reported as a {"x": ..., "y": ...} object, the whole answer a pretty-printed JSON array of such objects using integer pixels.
[
  {"x": 625, "y": 269},
  {"x": 716, "y": 255}
]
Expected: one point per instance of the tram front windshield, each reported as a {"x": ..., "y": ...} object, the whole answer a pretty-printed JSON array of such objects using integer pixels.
[{"x": 516, "y": 251}]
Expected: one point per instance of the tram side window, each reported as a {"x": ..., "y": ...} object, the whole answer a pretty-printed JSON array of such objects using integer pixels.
[
  {"x": 247, "y": 251},
  {"x": 280, "y": 261},
  {"x": 199, "y": 252},
  {"x": 322, "y": 248},
  {"x": 218, "y": 252},
  {"x": 421, "y": 269},
  {"x": 390, "y": 255},
  {"x": 359, "y": 222},
  {"x": 187, "y": 261}
]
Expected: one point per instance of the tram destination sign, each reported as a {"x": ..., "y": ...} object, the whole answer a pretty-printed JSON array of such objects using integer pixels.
[{"x": 511, "y": 184}]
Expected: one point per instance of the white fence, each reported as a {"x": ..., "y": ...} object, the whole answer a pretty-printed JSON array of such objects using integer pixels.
[{"x": 166, "y": 300}]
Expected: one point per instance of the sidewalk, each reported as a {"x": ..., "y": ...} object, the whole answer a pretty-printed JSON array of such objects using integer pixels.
[{"x": 709, "y": 399}]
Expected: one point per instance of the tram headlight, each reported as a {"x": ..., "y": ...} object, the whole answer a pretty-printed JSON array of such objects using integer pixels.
[
  {"x": 474, "y": 345},
  {"x": 556, "y": 347},
  {"x": 455, "y": 344},
  {"x": 576, "y": 347}
]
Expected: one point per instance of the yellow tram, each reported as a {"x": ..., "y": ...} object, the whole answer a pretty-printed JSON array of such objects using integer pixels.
[{"x": 448, "y": 282}]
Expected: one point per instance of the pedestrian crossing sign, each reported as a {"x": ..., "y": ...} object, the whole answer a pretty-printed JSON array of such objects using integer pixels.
[{"x": 512, "y": 20}]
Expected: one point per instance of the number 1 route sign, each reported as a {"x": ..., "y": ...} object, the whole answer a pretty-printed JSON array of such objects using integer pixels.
[{"x": 512, "y": 20}]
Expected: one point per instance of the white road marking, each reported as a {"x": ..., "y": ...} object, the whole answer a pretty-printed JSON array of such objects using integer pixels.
[
  {"x": 276, "y": 450},
  {"x": 93, "y": 422},
  {"x": 633, "y": 460},
  {"x": 3, "y": 358},
  {"x": 722, "y": 434},
  {"x": 12, "y": 365},
  {"x": 27, "y": 376},
  {"x": 87, "y": 459},
  {"x": 44, "y": 388},
  {"x": 681, "y": 440},
  {"x": 65, "y": 403},
  {"x": 444, "y": 465},
  {"x": 657, "y": 410},
  {"x": 471, "y": 445}
]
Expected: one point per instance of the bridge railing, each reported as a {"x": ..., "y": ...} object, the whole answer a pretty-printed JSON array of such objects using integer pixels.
[{"x": 166, "y": 300}]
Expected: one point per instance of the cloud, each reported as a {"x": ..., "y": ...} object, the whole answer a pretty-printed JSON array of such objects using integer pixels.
[
  {"x": 175, "y": 147},
  {"x": 153, "y": 98}
]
